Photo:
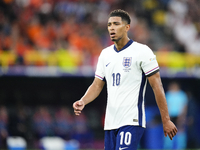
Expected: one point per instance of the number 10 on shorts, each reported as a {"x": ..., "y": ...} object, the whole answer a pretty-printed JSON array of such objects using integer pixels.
[{"x": 125, "y": 138}]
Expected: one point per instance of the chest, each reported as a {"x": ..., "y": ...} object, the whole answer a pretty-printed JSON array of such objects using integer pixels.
[{"x": 122, "y": 62}]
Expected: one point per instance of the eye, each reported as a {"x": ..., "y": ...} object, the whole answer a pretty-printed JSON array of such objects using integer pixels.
[{"x": 116, "y": 23}]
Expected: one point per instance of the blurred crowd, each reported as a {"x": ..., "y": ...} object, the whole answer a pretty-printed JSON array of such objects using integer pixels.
[
  {"x": 33, "y": 124},
  {"x": 73, "y": 32},
  {"x": 183, "y": 18}
]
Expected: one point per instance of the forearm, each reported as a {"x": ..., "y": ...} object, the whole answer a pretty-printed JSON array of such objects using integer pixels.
[
  {"x": 158, "y": 90},
  {"x": 161, "y": 102},
  {"x": 93, "y": 91},
  {"x": 156, "y": 84},
  {"x": 91, "y": 94}
]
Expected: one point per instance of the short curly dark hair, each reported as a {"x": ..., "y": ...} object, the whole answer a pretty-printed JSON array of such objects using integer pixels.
[{"x": 121, "y": 13}]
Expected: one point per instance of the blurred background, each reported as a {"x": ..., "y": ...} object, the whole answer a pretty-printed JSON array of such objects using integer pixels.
[{"x": 48, "y": 54}]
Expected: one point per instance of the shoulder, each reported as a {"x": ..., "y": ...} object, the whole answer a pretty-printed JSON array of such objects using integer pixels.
[
  {"x": 111, "y": 47},
  {"x": 141, "y": 47},
  {"x": 106, "y": 52},
  {"x": 183, "y": 93},
  {"x": 107, "y": 49},
  {"x": 143, "y": 51}
]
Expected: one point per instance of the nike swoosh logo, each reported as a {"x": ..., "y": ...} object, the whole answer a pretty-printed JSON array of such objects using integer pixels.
[
  {"x": 122, "y": 148},
  {"x": 107, "y": 64}
]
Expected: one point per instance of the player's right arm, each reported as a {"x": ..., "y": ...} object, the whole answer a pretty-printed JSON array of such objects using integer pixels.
[{"x": 92, "y": 92}]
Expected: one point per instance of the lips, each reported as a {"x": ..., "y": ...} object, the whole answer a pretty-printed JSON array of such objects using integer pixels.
[{"x": 112, "y": 34}]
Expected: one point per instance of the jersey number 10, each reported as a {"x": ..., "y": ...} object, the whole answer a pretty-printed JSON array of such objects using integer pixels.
[
  {"x": 116, "y": 79},
  {"x": 125, "y": 138}
]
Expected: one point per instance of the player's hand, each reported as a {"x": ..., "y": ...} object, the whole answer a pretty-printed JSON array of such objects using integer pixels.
[
  {"x": 169, "y": 129},
  {"x": 78, "y": 107}
]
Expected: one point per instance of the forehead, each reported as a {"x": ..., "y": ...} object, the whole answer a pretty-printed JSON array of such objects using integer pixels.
[{"x": 115, "y": 19}]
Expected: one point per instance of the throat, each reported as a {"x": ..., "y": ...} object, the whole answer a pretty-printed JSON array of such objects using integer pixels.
[
  {"x": 118, "y": 47},
  {"x": 120, "y": 44}
]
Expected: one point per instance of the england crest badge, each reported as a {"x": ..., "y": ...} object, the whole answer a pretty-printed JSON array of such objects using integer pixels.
[{"x": 127, "y": 62}]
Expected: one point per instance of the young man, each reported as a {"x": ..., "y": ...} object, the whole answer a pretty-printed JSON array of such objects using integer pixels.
[{"x": 125, "y": 66}]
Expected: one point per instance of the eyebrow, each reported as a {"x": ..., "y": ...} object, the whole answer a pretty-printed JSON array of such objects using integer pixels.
[{"x": 114, "y": 22}]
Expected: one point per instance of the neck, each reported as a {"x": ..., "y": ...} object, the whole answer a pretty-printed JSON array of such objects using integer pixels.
[{"x": 121, "y": 43}]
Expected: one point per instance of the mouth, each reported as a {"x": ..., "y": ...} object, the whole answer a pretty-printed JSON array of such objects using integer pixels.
[{"x": 112, "y": 34}]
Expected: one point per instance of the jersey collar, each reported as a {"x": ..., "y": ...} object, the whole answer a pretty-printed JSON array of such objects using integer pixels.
[{"x": 127, "y": 45}]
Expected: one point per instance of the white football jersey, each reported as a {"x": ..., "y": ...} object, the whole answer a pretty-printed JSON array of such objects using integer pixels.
[{"x": 125, "y": 72}]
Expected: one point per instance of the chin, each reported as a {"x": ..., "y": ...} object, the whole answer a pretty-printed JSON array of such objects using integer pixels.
[{"x": 114, "y": 40}]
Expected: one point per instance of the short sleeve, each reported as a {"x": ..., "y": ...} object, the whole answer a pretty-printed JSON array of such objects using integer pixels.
[
  {"x": 100, "y": 68},
  {"x": 149, "y": 63}
]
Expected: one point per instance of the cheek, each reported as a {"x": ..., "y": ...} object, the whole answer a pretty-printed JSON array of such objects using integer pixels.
[{"x": 121, "y": 31}]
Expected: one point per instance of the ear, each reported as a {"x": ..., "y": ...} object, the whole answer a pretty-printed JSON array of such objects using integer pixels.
[{"x": 127, "y": 27}]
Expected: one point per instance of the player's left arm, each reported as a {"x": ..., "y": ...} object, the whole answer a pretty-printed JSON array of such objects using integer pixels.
[{"x": 156, "y": 84}]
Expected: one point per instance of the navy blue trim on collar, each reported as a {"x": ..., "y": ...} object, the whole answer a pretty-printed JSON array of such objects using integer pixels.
[{"x": 127, "y": 45}]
